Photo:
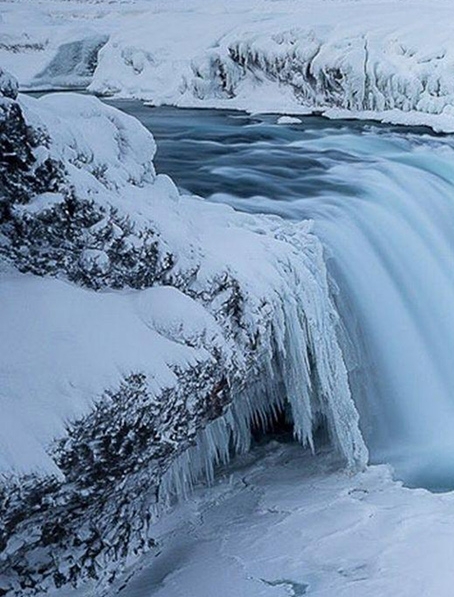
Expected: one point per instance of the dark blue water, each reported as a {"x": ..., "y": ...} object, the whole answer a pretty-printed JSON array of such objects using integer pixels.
[{"x": 208, "y": 152}]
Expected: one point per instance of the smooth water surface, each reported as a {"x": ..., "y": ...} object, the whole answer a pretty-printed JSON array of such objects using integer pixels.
[{"x": 382, "y": 202}]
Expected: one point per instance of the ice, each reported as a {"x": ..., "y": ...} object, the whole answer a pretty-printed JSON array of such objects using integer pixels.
[
  {"x": 307, "y": 369},
  {"x": 280, "y": 522},
  {"x": 73, "y": 65},
  {"x": 289, "y": 120}
]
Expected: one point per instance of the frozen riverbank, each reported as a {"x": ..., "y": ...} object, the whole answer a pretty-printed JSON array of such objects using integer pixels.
[
  {"x": 391, "y": 61},
  {"x": 140, "y": 347}
]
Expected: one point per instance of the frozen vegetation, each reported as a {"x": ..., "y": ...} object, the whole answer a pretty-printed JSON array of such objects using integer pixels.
[{"x": 387, "y": 60}]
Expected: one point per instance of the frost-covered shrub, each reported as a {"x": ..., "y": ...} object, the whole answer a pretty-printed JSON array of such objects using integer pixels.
[
  {"x": 58, "y": 531},
  {"x": 65, "y": 232},
  {"x": 21, "y": 174},
  {"x": 93, "y": 246}
]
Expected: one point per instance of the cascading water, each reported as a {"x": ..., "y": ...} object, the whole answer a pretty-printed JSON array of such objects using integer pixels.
[
  {"x": 392, "y": 255},
  {"x": 382, "y": 202}
]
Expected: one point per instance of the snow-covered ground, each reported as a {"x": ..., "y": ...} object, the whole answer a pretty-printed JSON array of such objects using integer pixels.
[{"x": 390, "y": 60}]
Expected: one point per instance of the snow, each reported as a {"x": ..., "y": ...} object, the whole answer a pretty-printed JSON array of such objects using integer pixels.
[
  {"x": 280, "y": 522},
  {"x": 390, "y": 60},
  {"x": 289, "y": 120},
  {"x": 62, "y": 347},
  {"x": 103, "y": 146}
]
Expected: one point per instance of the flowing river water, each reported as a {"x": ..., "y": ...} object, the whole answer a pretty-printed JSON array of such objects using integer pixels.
[{"x": 382, "y": 202}]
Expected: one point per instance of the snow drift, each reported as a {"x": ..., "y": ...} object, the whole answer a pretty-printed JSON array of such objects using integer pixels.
[{"x": 137, "y": 324}]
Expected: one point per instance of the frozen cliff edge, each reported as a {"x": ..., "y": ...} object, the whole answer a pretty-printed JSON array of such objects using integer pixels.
[
  {"x": 142, "y": 334},
  {"x": 379, "y": 60}
]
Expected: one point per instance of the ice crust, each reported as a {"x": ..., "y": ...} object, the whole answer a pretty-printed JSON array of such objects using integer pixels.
[{"x": 280, "y": 522}]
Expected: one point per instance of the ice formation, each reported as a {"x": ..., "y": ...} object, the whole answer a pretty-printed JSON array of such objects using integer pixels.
[{"x": 142, "y": 333}]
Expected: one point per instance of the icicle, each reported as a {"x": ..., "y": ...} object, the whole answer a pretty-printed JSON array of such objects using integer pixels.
[
  {"x": 300, "y": 364},
  {"x": 221, "y": 439}
]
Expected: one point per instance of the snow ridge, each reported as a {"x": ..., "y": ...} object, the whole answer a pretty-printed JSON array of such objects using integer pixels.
[{"x": 367, "y": 63}]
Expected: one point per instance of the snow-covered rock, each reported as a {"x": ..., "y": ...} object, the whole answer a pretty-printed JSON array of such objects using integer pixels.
[
  {"x": 289, "y": 120},
  {"x": 143, "y": 334}
]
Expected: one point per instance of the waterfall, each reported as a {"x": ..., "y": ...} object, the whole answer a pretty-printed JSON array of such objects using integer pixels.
[
  {"x": 391, "y": 250},
  {"x": 389, "y": 246},
  {"x": 382, "y": 203}
]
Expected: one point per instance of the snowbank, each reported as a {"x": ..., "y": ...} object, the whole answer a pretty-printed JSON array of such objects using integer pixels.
[
  {"x": 207, "y": 251},
  {"x": 387, "y": 60},
  {"x": 63, "y": 346}
]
